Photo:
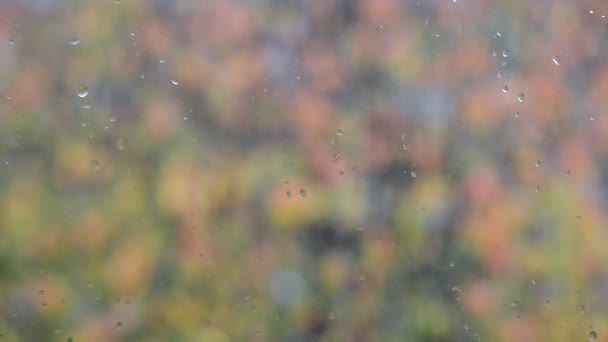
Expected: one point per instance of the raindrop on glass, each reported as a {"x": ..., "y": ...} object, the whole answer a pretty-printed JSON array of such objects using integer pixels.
[
  {"x": 82, "y": 91},
  {"x": 118, "y": 324},
  {"x": 555, "y": 60},
  {"x": 95, "y": 164},
  {"x": 505, "y": 54},
  {"x": 494, "y": 53},
  {"x": 466, "y": 327},
  {"x": 339, "y": 132},
  {"x": 592, "y": 336},
  {"x": 361, "y": 276},
  {"x": 288, "y": 194},
  {"x": 341, "y": 173},
  {"x": 302, "y": 192},
  {"x": 174, "y": 82},
  {"x": 11, "y": 41},
  {"x": 336, "y": 157},
  {"x": 521, "y": 97},
  {"x": 413, "y": 173},
  {"x": 537, "y": 163},
  {"x": 505, "y": 89},
  {"x": 74, "y": 41},
  {"x": 331, "y": 315},
  {"x": 86, "y": 104},
  {"x": 120, "y": 144}
]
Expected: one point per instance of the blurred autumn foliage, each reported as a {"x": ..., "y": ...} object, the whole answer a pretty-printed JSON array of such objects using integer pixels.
[{"x": 334, "y": 170}]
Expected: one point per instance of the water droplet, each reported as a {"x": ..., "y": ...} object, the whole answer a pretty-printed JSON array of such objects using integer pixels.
[
  {"x": 174, "y": 82},
  {"x": 406, "y": 147},
  {"x": 537, "y": 188},
  {"x": 336, "y": 157},
  {"x": 41, "y": 293},
  {"x": 402, "y": 137},
  {"x": 582, "y": 309},
  {"x": 505, "y": 89},
  {"x": 70, "y": 339},
  {"x": 413, "y": 173},
  {"x": 494, "y": 53},
  {"x": 521, "y": 97},
  {"x": 456, "y": 289},
  {"x": 547, "y": 302},
  {"x": 592, "y": 118},
  {"x": 505, "y": 54},
  {"x": 341, "y": 173},
  {"x": 514, "y": 303},
  {"x": 361, "y": 276},
  {"x": 95, "y": 164},
  {"x": 302, "y": 192},
  {"x": 11, "y": 41},
  {"x": 452, "y": 264},
  {"x": 74, "y": 41},
  {"x": 466, "y": 327},
  {"x": 516, "y": 114},
  {"x": 82, "y": 90},
  {"x": 288, "y": 193},
  {"x": 339, "y": 132},
  {"x": 499, "y": 34},
  {"x": 555, "y": 60},
  {"x": 86, "y": 104},
  {"x": 331, "y": 315},
  {"x": 112, "y": 118},
  {"x": 118, "y": 324},
  {"x": 500, "y": 74},
  {"x": 591, "y": 11},
  {"x": 537, "y": 163},
  {"x": 45, "y": 305},
  {"x": 592, "y": 336}
]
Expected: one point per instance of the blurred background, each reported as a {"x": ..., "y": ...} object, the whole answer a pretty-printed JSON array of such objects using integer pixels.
[{"x": 318, "y": 170}]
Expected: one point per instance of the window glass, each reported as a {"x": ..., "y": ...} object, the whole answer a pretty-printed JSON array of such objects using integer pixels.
[{"x": 332, "y": 170}]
